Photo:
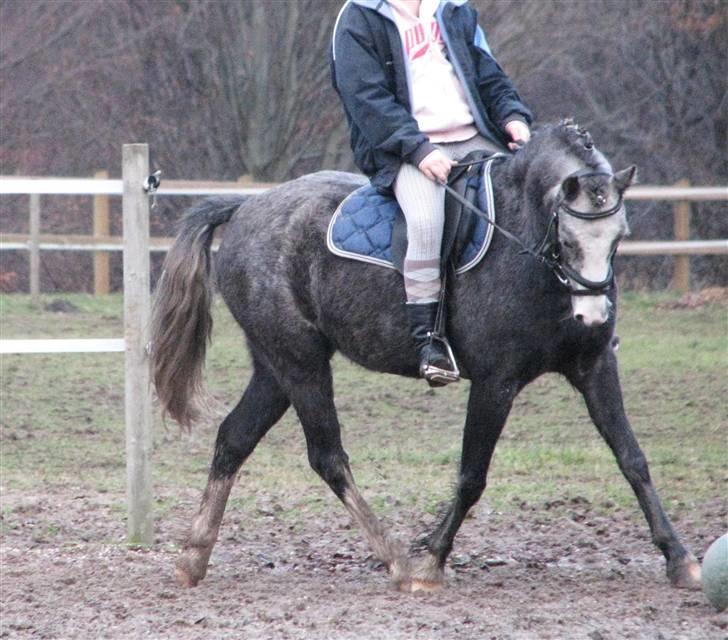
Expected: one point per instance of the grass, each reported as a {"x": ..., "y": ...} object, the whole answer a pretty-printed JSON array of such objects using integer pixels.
[{"x": 62, "y": 424}]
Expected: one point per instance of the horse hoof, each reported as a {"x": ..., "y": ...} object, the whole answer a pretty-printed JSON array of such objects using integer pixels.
[
  {"x": 425, "y": 586},
  {"x": 184, "y": 579},
  {"x": 685, "y": 573},
  {"x": 427, "y": 577},
  {"x": 184, "y": 574},
  {"x": 413, "y": 585}
]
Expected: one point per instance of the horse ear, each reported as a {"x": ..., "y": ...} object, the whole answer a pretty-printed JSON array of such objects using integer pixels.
[
  {"x": 624, "y": 178},
  {"x": 570, "y": 187}
]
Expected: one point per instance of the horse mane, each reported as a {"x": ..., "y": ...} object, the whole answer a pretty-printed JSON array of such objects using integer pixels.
[
  {"x": 552, "y": 142},
  {"x": 554, "y": 152}
]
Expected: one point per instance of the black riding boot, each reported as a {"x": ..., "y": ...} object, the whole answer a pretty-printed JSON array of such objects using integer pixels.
[{"x": 437, "y": 363}]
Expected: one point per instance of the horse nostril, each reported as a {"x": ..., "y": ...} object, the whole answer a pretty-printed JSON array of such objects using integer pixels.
[{"x": 579, "y": 317}]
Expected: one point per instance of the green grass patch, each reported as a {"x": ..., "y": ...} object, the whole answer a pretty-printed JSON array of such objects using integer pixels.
[{"x": 62, "y": 420}]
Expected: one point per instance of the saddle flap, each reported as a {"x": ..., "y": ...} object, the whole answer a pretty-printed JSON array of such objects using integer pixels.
[{"x": 460, "y": 221}]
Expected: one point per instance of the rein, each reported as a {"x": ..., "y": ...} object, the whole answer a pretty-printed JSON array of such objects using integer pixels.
[{"x": 547, "y": 251}]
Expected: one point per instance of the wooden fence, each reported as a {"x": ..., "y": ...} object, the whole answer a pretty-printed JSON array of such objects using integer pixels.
[
  {"x": 137, "y": 311},
  {"x": 136, "y": 246},
  {"x": 101, "y": 243}
]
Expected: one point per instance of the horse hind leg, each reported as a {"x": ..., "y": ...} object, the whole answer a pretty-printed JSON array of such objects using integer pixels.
[
  {"x": 261, "y": 406},
  {"x": 313, "y": 401}
]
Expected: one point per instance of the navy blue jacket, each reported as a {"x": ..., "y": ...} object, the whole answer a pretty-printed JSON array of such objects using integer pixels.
[{"x": 370, "y": 74}]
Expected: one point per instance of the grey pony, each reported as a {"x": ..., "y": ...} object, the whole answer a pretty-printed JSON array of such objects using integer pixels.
[{"x": 510, "y": 320}]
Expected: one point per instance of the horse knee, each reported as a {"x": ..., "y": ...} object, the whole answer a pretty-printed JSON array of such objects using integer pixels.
[{"x": 636, "y": 470}]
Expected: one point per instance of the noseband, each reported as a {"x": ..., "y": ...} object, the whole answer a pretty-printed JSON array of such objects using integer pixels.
[{"x": 548, "y": 250}]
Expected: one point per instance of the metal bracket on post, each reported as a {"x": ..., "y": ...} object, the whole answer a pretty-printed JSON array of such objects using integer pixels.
[{"x": 151, "y": 184}]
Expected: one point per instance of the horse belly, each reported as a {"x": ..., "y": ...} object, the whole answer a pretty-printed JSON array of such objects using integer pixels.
[{"x": 360, "y": 309}]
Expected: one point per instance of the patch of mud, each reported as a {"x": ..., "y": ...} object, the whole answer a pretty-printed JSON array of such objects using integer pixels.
[{"x": 563, "y": 569}]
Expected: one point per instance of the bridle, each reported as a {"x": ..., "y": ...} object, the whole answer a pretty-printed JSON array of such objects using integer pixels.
[
  {"x": 548, "y": 251},
  {"x": 550, "y": 248}
]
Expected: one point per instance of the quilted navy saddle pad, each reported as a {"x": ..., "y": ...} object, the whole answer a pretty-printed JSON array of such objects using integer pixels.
[{"x": 361, "y": 227}]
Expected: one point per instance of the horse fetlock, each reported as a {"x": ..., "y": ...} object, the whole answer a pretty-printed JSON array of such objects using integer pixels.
[
  {"x": 201, "y": 538},
  {"x": 191, "y": 566},
  {"x": 399, "y": 571},
  {"x": 684, "y": 572}
]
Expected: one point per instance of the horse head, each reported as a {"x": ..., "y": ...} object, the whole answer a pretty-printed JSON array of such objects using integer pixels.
[{"x": 574, "y": 188}]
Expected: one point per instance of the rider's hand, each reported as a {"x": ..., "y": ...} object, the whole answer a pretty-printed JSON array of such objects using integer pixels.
[
  {"x": 436, "y": 166},
  {"x": 519, "y": 133}
]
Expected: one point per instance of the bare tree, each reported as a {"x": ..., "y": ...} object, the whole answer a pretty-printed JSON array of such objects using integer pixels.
[
  {"x": 225, "y": 88},
  {"x": 219, "y": 88}
]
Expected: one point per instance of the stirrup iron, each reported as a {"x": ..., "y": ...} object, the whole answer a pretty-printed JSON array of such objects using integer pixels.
[{"x": 438, "y": 375}]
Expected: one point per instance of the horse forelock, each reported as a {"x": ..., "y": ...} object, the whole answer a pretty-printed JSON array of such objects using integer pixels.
[{"x": 578, "y": 142}]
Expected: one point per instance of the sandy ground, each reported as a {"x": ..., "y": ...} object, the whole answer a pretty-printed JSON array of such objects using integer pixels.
[{"x": 565, "y": 569}]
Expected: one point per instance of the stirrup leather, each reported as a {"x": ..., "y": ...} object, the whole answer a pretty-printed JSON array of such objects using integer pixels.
[{"x": 432, "y": 373}]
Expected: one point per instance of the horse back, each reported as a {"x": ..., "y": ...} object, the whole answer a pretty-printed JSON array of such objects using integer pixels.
[
  {"x": 282, "y": 222},
  {"x": 275, "y": 240}
]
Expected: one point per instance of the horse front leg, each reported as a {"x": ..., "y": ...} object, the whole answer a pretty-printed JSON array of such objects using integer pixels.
[
  {"x": 488, "y": 407},
  {"x": 603, "y": 395}
]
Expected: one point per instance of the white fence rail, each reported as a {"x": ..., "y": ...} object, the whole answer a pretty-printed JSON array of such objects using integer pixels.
[
  {"x": 63, "y": 345},
  {"x": 10, "y": 185}
]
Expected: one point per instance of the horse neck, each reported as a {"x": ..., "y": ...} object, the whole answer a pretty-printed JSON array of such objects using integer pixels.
[
  {"x": 533, "y": 182},
  {"x": 523, "y": 206}
]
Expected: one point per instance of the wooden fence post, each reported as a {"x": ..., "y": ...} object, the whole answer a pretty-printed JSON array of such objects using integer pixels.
[
  {"x": 681, "y": 226},
  {"x": 35, "y": 249},
  {"x": 137, "y": 313},
  {"x": 101, "y": 228}
]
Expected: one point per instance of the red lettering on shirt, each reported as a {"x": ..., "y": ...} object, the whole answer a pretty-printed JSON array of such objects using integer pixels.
[
  {"x": 417, "y": 44},
  {"x": 414, "y": 42}
]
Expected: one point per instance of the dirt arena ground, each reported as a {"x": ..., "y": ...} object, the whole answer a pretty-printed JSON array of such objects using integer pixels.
[{"x": 551, "y": 571}]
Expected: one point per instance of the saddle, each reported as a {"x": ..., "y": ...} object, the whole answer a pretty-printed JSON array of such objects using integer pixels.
[{"x": 370, "y": 227}]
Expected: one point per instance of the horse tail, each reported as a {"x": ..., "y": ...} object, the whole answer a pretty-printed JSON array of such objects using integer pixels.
[{"x": 181, "y": 318}]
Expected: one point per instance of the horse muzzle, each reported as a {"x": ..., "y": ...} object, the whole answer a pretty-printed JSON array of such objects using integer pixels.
[{"x": 591, "y": 311}]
